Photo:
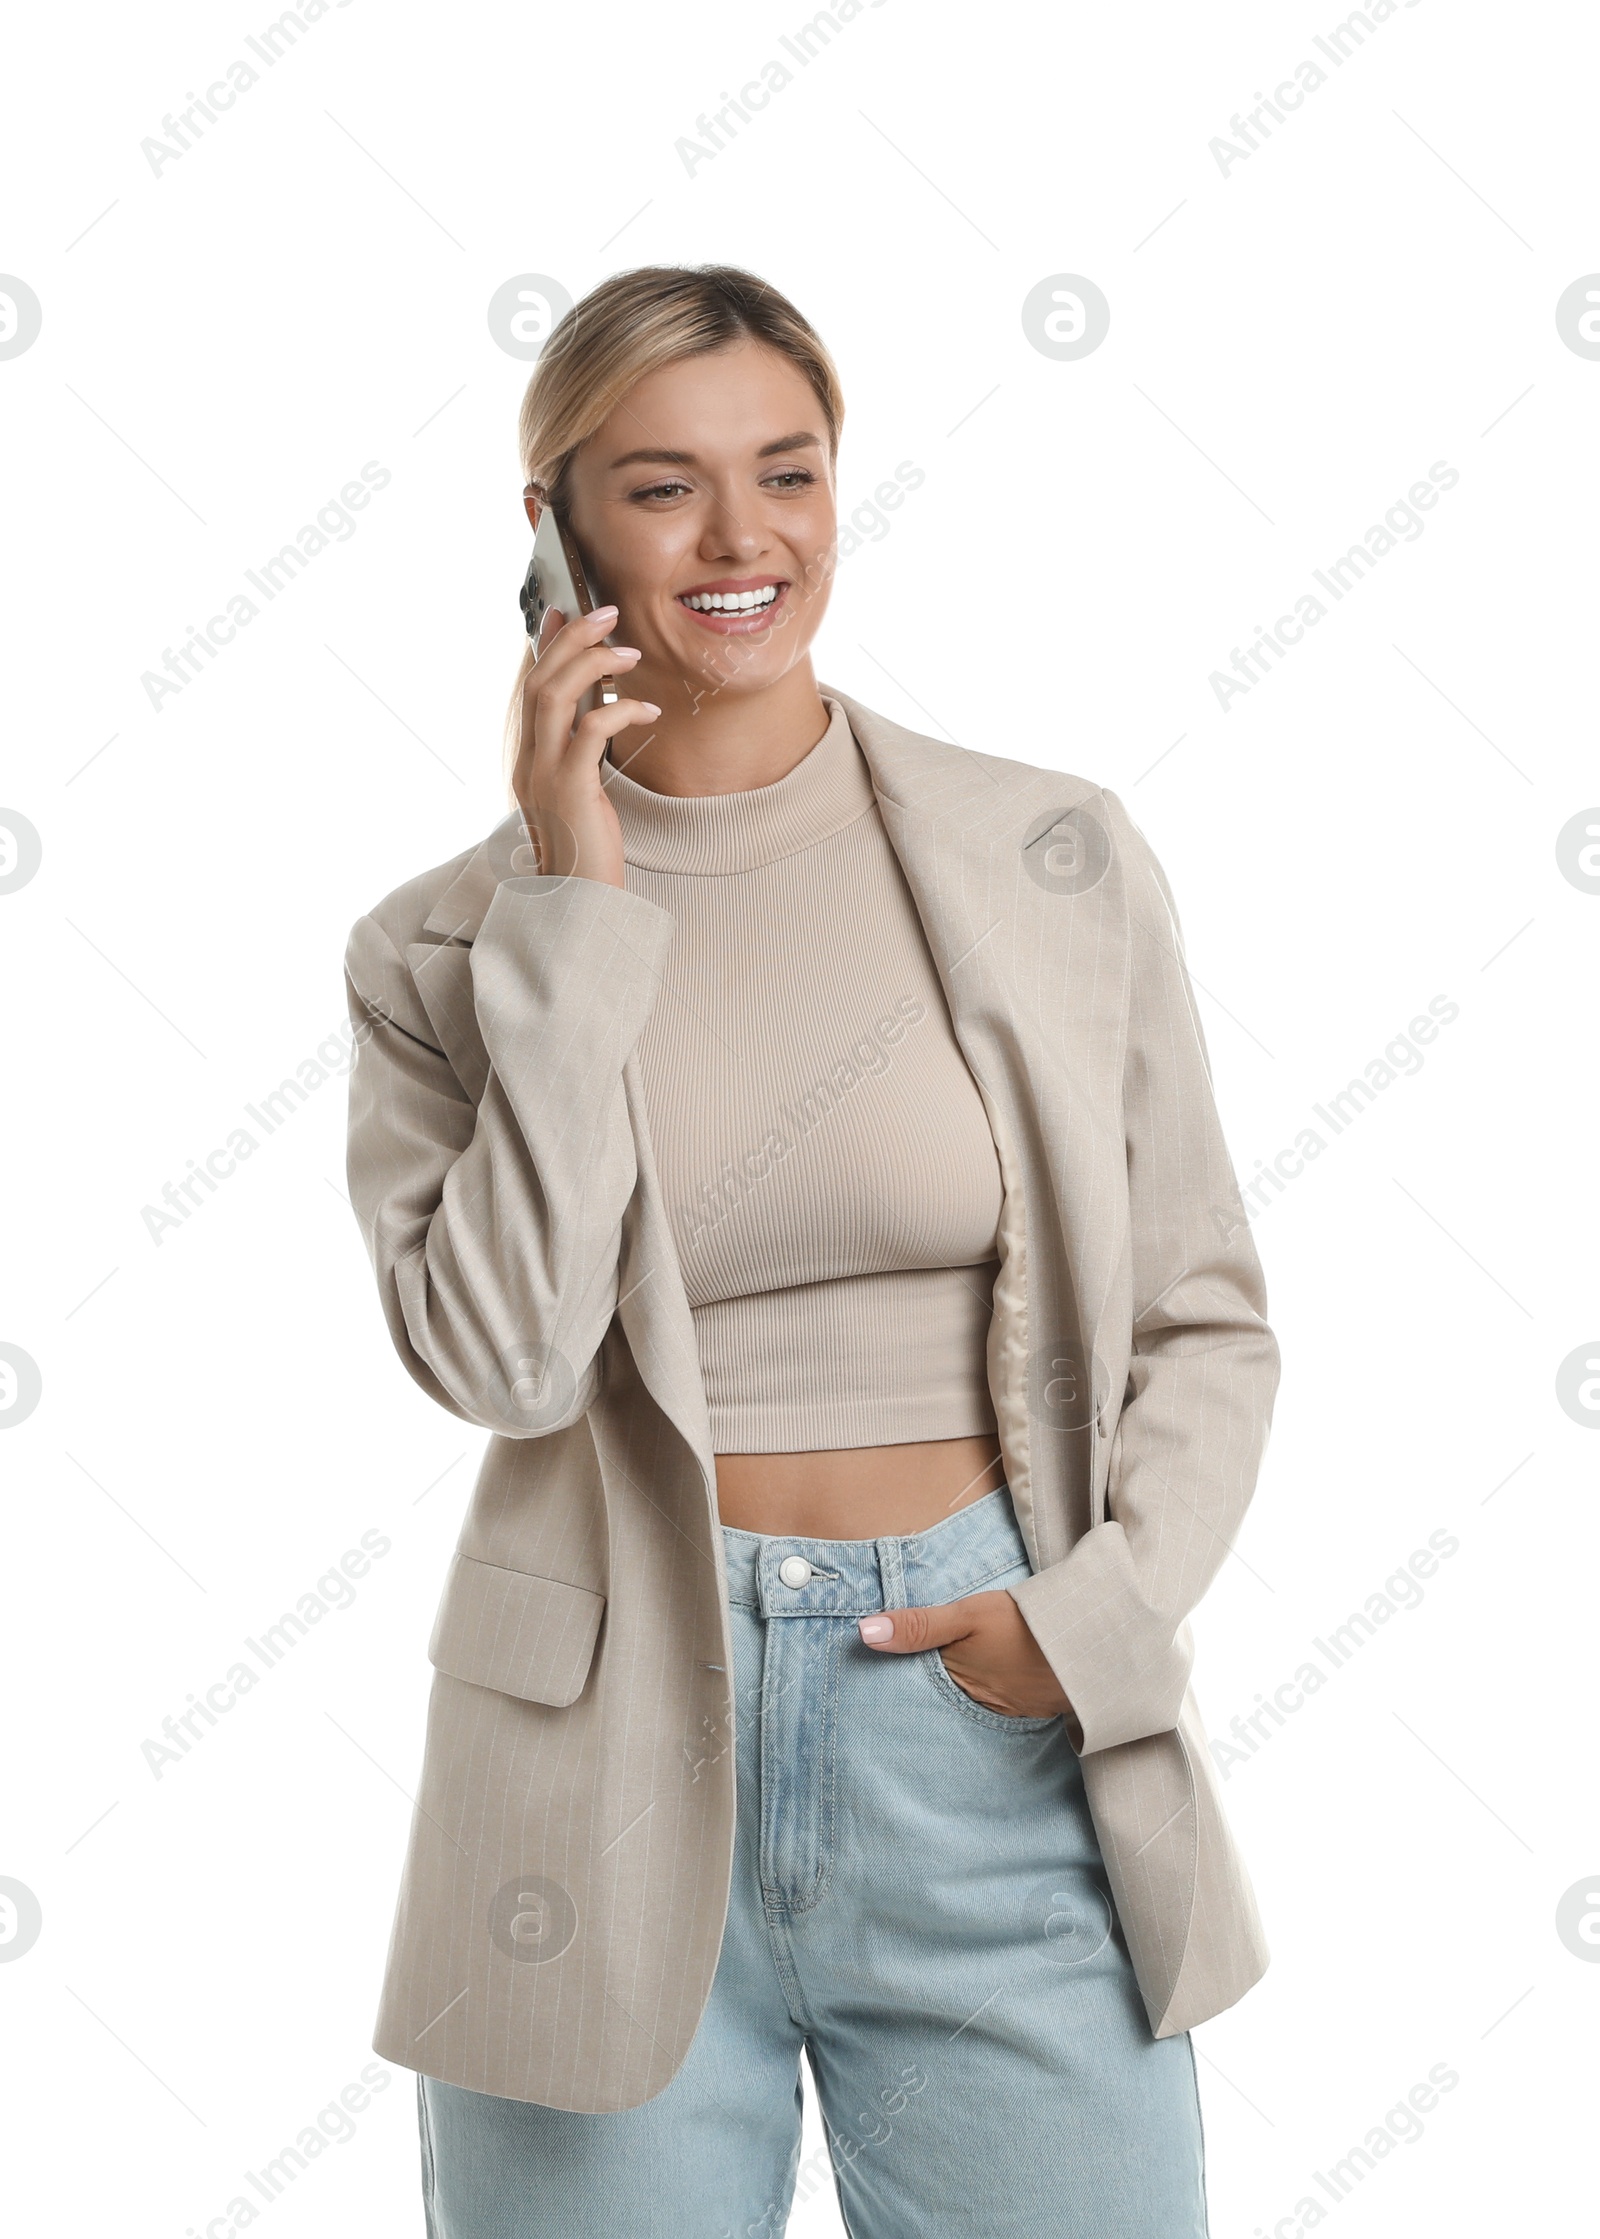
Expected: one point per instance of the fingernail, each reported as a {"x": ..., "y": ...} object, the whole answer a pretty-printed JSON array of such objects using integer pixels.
[
  {"x": 650, "y": 707},
  {"x": 597, "y": 613},
  {"x": 876, "y": 1628}
]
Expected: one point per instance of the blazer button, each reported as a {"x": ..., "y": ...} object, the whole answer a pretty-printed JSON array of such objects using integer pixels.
[{"x": 794, "y": 1570}]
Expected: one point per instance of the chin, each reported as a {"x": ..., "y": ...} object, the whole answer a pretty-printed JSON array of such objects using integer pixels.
[
  {"x": 743, "y": 665},
  {"x": 744, "y": 670}
]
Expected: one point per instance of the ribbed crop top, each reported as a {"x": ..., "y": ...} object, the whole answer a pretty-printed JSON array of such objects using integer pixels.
[{"x": 824, "y": 1155}]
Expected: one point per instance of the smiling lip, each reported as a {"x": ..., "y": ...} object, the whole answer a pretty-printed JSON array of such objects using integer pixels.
[{"x": 735, "y": 621}]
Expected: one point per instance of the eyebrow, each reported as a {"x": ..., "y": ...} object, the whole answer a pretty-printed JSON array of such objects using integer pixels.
[{"x": 795, "y": 442}]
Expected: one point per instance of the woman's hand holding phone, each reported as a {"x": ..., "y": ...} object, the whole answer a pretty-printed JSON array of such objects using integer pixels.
[{"x": 557, "y": 775}]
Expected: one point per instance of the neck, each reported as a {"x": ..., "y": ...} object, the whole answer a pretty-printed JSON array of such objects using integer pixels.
[{"x": 711, "y": 740}]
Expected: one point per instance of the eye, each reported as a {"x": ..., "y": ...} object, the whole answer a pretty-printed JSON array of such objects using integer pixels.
[
  {"x": 791, "y": 477},
  {"x": 668, "y": 489}
]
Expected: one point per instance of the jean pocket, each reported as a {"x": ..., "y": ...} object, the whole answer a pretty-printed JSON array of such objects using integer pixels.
[
  {"x": 952, "y": 1690},
  {"x": 970, "y": 1707}
]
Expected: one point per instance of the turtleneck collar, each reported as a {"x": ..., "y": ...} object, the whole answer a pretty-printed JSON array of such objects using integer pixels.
[{"x": 714, "y": 833}]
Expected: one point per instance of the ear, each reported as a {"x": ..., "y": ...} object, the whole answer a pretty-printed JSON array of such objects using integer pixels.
[{"x": 533, "y": 503}]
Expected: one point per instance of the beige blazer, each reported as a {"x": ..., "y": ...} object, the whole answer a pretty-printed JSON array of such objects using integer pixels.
[{"x": 567, "y": 1878}]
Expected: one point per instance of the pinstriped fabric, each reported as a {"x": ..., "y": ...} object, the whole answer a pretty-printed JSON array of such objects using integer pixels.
[
  {"x": 521, "y": 1635},
  {"x": 566, "y": 1883}
]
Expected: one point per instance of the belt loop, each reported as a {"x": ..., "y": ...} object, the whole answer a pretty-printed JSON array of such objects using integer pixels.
[{"x": 891, "y": 1571}]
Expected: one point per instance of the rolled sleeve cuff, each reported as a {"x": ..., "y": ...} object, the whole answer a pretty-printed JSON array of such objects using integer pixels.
[
  {"x": 578, "y": 948},
  {"x": 1124, "y": 1665}
]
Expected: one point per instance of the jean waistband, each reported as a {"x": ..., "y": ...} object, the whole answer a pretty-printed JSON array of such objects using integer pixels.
[{"x": 784, "y": 1575}]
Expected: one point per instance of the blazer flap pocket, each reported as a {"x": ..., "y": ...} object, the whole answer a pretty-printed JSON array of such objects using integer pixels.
[{"x": 515, "y": 1632}]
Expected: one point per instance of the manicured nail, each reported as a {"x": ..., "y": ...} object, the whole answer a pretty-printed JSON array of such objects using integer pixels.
[
  {"x": 876, "y": 1628},
  {"x": 602, "y": 613},
  {"x": 650, "y": 707}
]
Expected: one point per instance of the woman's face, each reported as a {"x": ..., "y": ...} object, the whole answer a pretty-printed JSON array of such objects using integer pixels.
[{"x": 705, "y": 506}]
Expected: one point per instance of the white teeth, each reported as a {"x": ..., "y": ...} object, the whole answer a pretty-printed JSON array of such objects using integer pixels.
[{"x": 741, "y": 602}]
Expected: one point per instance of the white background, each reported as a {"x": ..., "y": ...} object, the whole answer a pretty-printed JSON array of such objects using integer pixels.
[{"x": 1292, "y": 345}]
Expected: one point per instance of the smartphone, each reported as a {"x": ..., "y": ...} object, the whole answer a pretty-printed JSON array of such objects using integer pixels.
[{"x": 557, "y": 577}]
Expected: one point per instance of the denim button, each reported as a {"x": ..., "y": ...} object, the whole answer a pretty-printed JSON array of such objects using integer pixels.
[{"x": 794, "y": 1570}]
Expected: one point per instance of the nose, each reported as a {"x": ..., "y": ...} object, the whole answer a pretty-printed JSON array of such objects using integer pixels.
[
  {"x": 736, "y": 547},
  {"x": 730, "y": 534}
]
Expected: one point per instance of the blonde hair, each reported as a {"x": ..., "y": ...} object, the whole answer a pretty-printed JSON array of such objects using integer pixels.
[{"x": 631, "y": 325}]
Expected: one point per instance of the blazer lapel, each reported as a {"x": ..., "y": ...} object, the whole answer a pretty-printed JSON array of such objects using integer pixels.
[
  {"x": 961, "y": 824},
  {"x": 505, "y": 853}
]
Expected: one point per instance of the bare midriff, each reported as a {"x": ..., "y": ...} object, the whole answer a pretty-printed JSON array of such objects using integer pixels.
[{"x": 857, "y": 1492}]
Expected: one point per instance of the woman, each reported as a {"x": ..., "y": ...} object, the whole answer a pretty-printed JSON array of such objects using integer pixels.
[{"x": 792, "y": 1138}]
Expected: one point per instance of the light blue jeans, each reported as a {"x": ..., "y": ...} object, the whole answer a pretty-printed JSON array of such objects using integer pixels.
[{"x": 920, "y": 1906}]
